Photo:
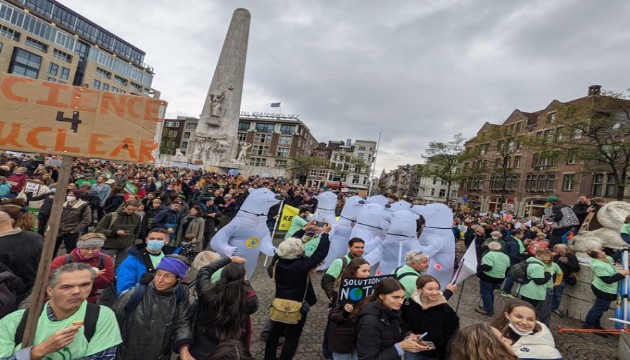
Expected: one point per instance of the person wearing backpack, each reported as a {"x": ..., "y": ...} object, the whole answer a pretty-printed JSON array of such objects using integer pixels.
[
  {"x": 564, "y": 219},
  {"x": 516, "y": 250},
  {"x": 154, "y": 318},
  {"x": 121, "y": 228},
  {"x": 89, "y": 251},
  {"x": 539, "y": 277},
  {"x": 416, "y": 263},
  {"x": 68, "y": 327}
]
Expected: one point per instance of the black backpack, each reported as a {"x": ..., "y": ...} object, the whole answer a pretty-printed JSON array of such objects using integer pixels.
[
  {"x": 519, "y": 272},
  {"x": 8, "y": 292},
  {"x": 89, "y": 322}
]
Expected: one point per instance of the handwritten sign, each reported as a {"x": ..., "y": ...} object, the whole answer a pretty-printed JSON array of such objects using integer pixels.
[
  {"x": 353, "y": 290},
  {"x": 41, "y": 116}
]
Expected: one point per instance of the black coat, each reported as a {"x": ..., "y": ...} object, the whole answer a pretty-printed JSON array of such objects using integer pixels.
[
  {"x": 572, "y": 265},
  {"x": 440, "y": 321},
  {"x": 291, "y": 274},
  {"x": 378, "y": 330}
]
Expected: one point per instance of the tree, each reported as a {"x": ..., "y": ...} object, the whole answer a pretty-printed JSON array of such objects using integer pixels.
[
  {"x": 442, "y": 161},
  {"x": 507, "y": 144},
  {"x": 302, "y": 165},
  {"x": 597, "y": 131}
]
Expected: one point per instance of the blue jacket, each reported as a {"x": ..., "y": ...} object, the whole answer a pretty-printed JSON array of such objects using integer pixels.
[
  {"x": 136, "y": 264},
  {"x": 167, "y": 216}
]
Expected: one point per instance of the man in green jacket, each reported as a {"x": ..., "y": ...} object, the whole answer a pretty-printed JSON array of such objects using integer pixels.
[{"x": 491, "y": 272}]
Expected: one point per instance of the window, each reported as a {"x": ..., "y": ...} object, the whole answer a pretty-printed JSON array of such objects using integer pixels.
[
  {"x": 598, "y": 184},
  {"x": 62, "y": 55},
  {"x": 571, "y": 157},
  {"x": 51, "y": 79},
  {"x": 442, "y": 193},
  {"x": 65, "y": 72},
  {"x": 551, "y": 182},
  {"x": 611, "y": 188},
  {"x": 548, "y": 136},
  {"x": 551, "y": 118},
  {"x": 559, "y": 134},
  {"x": 517, "y": 162},
  {"x": 281, "y": 164},
  {"x": 10, "y": 33},
  {"x": 313, "y": 173},
  {"x": 568, "y": 182},
  {"x": 262, "y": 138},
  {"x": 542, "y": 183},
  {"x": 258, "y": 162},
  {"x": 283, "y": 152},
  {"x": 242, "y": 136},
  {"x": 53, "y": 68},
  {"x": 105, "y": 86},
  {"x": 361, "y": 148},
  {"x": 287, "y": 129},
  {"x": 355, "y": 179},
  {"x": 25, "y": 63},
  {"x": 38, "y": 45},
  {"x": 434, "y": 181},
  {"x": 243, "y": 126},
  {"x": 137, "y": 88},
  {"x": 265, "y": 128},
  {"x": 528, "y": 183},
  {"x": 577, "y": 133},
  {"x": 186, "y": 135},
  {"x": 96, "y": 85},
  {"x": 285, "y": 140},
  {"x": 120, "y": 80},
  {"x": 260, "y": 150},
  {"x": 191, "y": 126},
  {"x": 432, "y": 192},
  {"x": 103, "y": 73}
]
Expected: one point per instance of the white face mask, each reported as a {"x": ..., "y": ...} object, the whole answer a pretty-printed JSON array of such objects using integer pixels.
[
  {"x": 519, "y": 332},
  {"x": 70, "y": 198}
]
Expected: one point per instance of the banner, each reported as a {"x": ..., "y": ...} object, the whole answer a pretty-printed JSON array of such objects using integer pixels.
[
  {"x": 45, "y": 117},
  {"x": 467, "y": 266},
  {"x": 288, "y": 212},
  {"x": 353, "y": 290}
]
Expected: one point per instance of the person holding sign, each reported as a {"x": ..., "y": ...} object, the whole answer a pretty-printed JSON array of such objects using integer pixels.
[
  {"x": 427, "y": 312},
  {"x": 379, "y": 329},
  {"x": 341, "y": 319}
]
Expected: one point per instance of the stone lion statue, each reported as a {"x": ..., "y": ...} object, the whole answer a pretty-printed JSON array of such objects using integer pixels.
[{"x": 611, "y": 216}]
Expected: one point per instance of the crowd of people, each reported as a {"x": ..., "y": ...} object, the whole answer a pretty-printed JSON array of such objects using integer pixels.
[{"x": 138, "y": 279}]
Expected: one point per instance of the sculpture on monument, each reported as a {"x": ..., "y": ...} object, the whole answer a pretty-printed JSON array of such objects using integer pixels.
[
  {"x": 216, "y": 106},
  {"x": 243, "y": 153}
]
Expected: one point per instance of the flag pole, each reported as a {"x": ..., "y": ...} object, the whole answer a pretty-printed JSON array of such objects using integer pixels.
[
  {"x": 373, "y": 165},
  {"x": 275, "y": 227}
]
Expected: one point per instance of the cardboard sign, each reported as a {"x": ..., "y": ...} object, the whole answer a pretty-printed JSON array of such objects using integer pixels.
[
  {"x": 31, "y": 187},
  {"x": 353, "y": 290},
  {"x": 41, "y": 116}
]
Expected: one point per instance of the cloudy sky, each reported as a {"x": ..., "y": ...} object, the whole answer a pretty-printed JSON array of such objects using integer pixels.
[{"x": 417, "y": 71}]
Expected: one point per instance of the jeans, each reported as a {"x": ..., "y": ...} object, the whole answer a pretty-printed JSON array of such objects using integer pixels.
[
  {"x": 351, "y": 356},
  {"x": 486, "y": 289},
  {"x": 557, "y": 295},
  {"x": 594, "y": 316},
  {"x": 291, "y": 341},
  {"x": 507, "y": 285}
]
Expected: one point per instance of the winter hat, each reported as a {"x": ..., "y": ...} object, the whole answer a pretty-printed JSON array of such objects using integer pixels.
[
  {"x": 552, "y": 198},
  {"x": 174, "y": 266},
  {"x": 91, "y": 240}
]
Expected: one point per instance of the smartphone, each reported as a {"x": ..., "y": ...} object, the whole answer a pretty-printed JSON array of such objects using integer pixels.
[
  {"x": 430, "y": 344},
  {"x": 319, "y": 223}
]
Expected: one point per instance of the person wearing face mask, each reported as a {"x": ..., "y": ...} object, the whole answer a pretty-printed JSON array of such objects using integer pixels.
[
  {"x": 75, "y": 216},
  {"x": 143, "y": 258},
  {"x": 428, "y": 312},
  {"x": 530, "y": 338},
  {"x": 89, "y": 251}
]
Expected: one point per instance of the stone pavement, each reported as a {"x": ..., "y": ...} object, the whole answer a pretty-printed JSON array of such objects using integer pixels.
[{"x": 572, "y": 346}]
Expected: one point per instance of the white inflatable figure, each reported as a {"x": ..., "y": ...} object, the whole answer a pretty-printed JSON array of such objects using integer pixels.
[
  {"x": 400, "y": 205},
  {"x": 377, "y": 199},
  {"x": 340, "y": 234},
  {"x": 611, "y": 216},
  {"x": 401, "y": 238},
  {"x": 437, "y": 241},
  {"x": 247, "y": 234},
  {"x": 325, "y": 213},
  {"x": 369, "y": 227}
]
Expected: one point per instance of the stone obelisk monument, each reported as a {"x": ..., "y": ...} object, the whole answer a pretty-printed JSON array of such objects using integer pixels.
[{"x": 215, "y": 140}]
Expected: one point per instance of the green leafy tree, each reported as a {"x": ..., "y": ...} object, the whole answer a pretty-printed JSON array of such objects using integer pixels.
[
  {"x": 302, "y": 165},
  {"x": 442, "y": 161}
]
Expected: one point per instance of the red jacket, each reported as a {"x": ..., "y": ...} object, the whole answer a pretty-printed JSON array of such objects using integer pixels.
[
  {"x": 17, "y": 182},
  {"x": 101, "y": 281}
]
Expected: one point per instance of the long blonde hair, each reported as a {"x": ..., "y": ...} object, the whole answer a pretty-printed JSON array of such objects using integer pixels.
[{"x": 479, "y": 342}]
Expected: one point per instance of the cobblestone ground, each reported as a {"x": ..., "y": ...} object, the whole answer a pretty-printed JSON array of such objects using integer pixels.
[{"x": 572, "y": 346}]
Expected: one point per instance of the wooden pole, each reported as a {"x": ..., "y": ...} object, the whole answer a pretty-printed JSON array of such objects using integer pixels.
[{"x": 37, "y": 296}]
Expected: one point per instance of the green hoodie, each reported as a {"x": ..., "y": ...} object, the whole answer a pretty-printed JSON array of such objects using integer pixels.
[{"x": 603, "y": 268}]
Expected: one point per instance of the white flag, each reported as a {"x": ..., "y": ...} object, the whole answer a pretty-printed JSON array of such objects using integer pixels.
[{"x": 467, "y": 266}]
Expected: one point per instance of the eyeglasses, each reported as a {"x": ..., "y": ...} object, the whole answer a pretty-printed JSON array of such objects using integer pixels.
[{"x": 166, "y": 275}]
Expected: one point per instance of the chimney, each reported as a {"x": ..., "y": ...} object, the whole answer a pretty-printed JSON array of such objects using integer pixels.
[{"x": 594, "y": 90}]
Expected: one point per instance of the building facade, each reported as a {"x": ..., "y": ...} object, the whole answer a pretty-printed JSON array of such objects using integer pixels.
[
  {"x": 409, "y": 182},
  {"x": 43, "y": 39},
  {"x": 516, "y": 165}
]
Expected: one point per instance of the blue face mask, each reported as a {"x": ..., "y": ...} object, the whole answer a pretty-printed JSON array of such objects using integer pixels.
[{"x": 155, "y": 245}]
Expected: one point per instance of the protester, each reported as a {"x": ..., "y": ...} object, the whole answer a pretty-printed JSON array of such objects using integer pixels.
[
  {"x": 76, "y": 216},
  {"x": 224, "y": 308},
  {"x": 122, "y": 228},
  {"x": 480, "y": 342},
  {"x": 564, "y": 219},
  {"x": 299, "y": 221},
  {"x": 341, "y": 320},
  {"x": 530, "y": 339},
  {"x": 57, "y": 333},
  {"x": 491, "y": 272},
  {"x": 154, "y": 317},
  {"x": 569, "y": 265},
  {"x": 427, "y": 311},
  {"x": 143, "y": 258},
  {"x": 291, "y": 273},
  {"x": 516, "y": 250},
  {"x": 379, "y": 328},
  {"x": 193, "y": 224},
  {"x": 605, "y": 283},
  {"x": 169, "y": 218},
  {"x": 89, "y": 251}
]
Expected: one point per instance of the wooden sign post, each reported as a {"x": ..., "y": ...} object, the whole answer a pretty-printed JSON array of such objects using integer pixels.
[{"x": 71, "y": 121}]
